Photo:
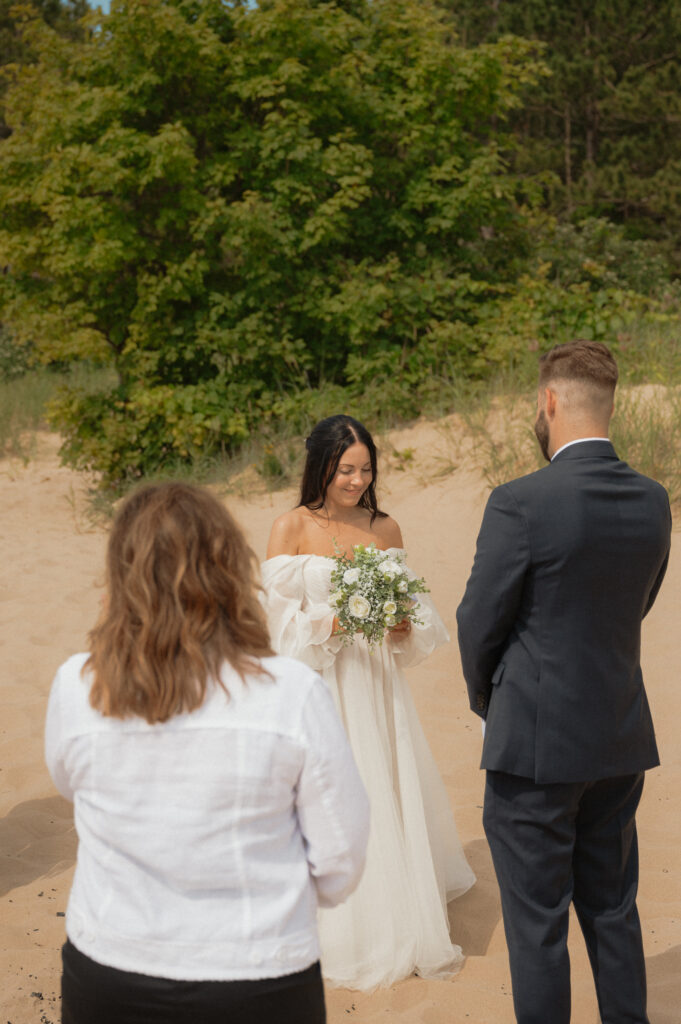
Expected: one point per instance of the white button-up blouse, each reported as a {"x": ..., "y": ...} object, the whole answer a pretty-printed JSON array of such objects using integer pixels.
[{"x": 207, "y": 842}]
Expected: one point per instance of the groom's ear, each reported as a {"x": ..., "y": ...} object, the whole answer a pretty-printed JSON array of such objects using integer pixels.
[{"x": 550, "y": 403}]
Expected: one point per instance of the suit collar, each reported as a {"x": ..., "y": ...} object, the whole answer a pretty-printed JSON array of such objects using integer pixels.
[{"x": 587, "y": 450}]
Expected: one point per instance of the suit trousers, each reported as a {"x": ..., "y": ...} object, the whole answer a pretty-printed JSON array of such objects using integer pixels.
[
  {"x": 95, "y": 994},
  {"x": 560, "y": 843}
]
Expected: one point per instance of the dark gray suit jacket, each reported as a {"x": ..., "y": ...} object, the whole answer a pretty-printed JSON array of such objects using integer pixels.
[{"x": 569, "y": 560}]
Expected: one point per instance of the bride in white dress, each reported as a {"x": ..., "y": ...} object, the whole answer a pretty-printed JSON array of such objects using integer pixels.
[{"x": 395, "y": 923}]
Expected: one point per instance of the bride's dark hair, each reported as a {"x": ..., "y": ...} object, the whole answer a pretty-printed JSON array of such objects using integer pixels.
[{"x": 325, "y": 447}]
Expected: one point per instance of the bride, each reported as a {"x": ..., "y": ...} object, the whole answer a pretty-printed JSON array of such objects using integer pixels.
[{"x": 395, "y": 923}]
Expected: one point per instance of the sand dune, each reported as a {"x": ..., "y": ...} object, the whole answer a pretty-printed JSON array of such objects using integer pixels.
[{"x": 52, "y": 559}]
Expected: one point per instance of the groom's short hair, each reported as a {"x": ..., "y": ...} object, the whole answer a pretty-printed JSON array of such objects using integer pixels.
[{"x": 590, "y": 362}]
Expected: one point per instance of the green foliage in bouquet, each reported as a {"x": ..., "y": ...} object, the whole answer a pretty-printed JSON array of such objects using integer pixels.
[{"x": 373, "y": 591}]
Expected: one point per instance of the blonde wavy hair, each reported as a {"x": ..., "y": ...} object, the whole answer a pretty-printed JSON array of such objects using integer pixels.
[{"x": 182, "y": 599}]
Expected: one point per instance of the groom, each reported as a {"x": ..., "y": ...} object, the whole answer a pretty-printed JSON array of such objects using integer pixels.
[{"x": 569, "y": 560}]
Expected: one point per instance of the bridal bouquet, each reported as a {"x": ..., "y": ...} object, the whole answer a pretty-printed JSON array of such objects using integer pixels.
[{"x": 372, "y": 592}]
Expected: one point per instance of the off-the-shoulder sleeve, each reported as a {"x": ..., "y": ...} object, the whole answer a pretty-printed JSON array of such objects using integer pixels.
[
  {"x": 299, "y": 627},
  {"x": 424, "y": 636}
]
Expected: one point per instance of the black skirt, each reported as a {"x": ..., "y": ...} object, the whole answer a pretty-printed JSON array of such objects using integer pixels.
[{"x": 95, "y": 994}]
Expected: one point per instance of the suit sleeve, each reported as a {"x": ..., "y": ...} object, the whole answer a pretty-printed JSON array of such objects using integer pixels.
[
  {"x": 663, "y": 568},
  {"x": 493, "y": 594}
]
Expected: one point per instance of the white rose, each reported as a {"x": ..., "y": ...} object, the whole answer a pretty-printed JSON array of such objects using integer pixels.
[
  {"x": 389, "y": 621},
  {"x": 403, "y": 586},
  {"x": 350, "y": 576},
  {"x": 389, "y": 607},
  {"x": 390, "y": 569},
  {"x": 358, "y": 606}
]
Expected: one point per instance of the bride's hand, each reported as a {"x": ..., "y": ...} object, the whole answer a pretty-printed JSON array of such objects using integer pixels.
[{"x": 401, "y": 630}]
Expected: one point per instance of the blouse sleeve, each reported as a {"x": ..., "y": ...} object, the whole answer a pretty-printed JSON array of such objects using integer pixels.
[
  {"x": 53, "y": 740},
  {"x": 332, "y": 804},
  {"x": 58, "y": 721},
  {"x": 299, "y": 627},
  {"x": 424, "y": 636}
]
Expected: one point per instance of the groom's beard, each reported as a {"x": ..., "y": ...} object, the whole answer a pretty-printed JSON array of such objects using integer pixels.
[{"x": 541, "y": 429}]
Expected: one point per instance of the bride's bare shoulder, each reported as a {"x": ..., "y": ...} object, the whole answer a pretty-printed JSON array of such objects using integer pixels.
[
  {"x": 388, "y": 532},
  {"x": 286, "y": 533}
]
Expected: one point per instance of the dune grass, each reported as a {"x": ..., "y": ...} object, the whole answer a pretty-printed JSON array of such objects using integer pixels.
[
  {"x": 645, "y": 430},
  {"x": 496, "y": 414},
  {"x": 22, "y": 411},
  {"x": 24, "y": 400}
]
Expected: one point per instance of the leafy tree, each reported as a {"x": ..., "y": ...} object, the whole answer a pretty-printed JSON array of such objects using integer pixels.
[
  {"x": 605, "y": 125},
  {"x": 65, "y": 17},
  {"x": 224, "y": 203}
]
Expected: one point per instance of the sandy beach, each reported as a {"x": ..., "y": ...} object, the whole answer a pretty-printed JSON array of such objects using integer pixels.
[{"x": 52, "y": 557}]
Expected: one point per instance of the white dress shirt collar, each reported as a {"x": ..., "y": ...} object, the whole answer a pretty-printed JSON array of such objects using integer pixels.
[{"x": 578, "y": 440}]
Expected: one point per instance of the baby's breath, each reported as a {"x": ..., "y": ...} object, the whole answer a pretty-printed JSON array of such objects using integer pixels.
[{"x": 371, "y": 592}]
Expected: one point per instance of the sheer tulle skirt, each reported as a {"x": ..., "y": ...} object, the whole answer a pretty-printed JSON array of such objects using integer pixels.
[{"x": 396, "y": 922}]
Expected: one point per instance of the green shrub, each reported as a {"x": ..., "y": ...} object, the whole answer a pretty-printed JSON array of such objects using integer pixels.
[
  {"x": 229, "y": 204},
  {"x": 15, "y": 359},
  {"x": 597, "y": 252}
]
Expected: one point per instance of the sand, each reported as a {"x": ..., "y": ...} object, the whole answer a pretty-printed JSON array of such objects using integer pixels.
[{"x": 52, "y": 558}]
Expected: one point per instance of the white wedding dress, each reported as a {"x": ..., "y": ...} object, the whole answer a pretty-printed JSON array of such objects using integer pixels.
[{"x": 395, "y": 923}]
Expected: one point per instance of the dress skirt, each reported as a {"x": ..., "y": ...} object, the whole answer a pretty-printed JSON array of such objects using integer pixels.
[{"x": 396, "y": 922}]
